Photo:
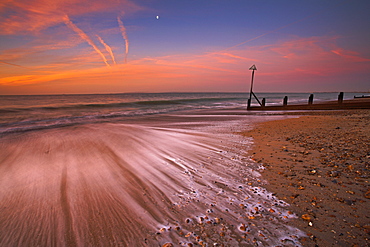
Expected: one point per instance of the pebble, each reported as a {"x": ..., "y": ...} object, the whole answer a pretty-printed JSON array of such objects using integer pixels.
[
  {"x": 306, "y": 217},
  {"x": 367, "y": 194},
  {"x": 242, "y": 227}
]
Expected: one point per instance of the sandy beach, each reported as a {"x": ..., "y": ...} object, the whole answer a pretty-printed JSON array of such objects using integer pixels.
[
  {"x": 178, "y": 181},
  {"x": 319, "y": 164},
  {"x": 222, "y": 178}
]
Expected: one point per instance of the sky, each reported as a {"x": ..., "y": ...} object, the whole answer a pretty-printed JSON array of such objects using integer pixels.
[{"x": 119, "y": 46}]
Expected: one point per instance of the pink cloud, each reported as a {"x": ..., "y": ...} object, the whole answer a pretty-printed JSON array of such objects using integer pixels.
[
  {"x": 35, "y": 15},
  {"x": 312, "y": 54},
  {"x": 351, "y": 56},
  {"x": 294, "y": 65}
]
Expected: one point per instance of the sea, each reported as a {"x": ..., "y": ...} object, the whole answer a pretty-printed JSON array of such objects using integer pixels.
[
  {"x": 163, "y": 169},
  {"x": 29, "y": 112}
]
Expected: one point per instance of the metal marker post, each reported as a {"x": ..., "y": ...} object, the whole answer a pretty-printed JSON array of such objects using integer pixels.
[{"x": 253, "y": 68}]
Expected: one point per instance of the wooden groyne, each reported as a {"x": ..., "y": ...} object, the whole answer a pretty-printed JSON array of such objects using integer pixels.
[
  {"x": 359, "y": 102},
  {"x": 356, "y": 103}
]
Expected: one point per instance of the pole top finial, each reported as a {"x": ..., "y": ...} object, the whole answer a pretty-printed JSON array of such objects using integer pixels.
[{"x": 253, "y": 67}]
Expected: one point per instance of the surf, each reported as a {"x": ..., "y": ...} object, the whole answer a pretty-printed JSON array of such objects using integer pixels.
[{"x": 131, "y": 184}]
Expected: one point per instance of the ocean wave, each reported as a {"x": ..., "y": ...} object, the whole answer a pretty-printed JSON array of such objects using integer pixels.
[
  {"x": 132, "y": 104},
  {"x": 54, "y": 116}
]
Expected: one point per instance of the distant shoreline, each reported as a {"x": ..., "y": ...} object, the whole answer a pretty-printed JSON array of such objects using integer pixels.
[{"x": 211, "y": 92}]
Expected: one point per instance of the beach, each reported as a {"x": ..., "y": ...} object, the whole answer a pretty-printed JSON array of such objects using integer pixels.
[
  {"x": 319, "y": 164},
  {"x": 180, "y": 180},
  {"x": 171, "y": 171}
]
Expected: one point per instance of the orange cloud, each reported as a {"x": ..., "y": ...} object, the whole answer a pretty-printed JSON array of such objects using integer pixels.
[
  {"x": 120, "y": 78},
  {"x": 292, "y": 65},
  {"x": 145, "y": 73}
]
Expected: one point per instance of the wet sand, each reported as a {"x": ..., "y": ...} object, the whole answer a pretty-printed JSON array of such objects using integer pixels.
[
  {"x": 171, "y": 182},
  {"x": 188, "y": 180},
  {"x": 319, "y": 164}
]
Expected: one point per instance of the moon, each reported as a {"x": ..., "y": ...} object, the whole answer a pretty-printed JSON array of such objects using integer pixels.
[{"x": 157, "y": 17}]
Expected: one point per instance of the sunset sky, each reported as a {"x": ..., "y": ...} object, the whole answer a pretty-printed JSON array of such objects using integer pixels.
[{"x": 117, "y": 46}]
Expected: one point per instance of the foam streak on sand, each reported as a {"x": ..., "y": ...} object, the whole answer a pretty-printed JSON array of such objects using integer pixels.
[{"x": 130, "y": 185}]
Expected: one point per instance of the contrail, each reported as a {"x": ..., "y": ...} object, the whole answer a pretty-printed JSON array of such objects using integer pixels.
[
  {"x": 107, "y": 47},
  {"x": 124, "y": 35},
  {"x": 285, "y": 26},
  {"x": 12, "y": 64},
  {"x": 84, "y": 36}
]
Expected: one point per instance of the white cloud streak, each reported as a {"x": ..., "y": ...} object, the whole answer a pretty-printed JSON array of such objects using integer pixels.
[
  {"x": 124, "y": 35},
  {"x": 85, "y": 37},
  {"x": 107, "y": 48}
]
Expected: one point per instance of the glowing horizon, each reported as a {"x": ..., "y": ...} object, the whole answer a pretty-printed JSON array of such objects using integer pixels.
[{"x": 120, "y": 46}]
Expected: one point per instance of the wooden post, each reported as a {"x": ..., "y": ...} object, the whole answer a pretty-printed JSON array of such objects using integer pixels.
[
  {"x": 263, "y": 102},
  {"x": 310, "y": 100},
  {"x": 249, "y": 103},
  {"x": 340, "y": 98},
  {"x": 285, "y": 101}
]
